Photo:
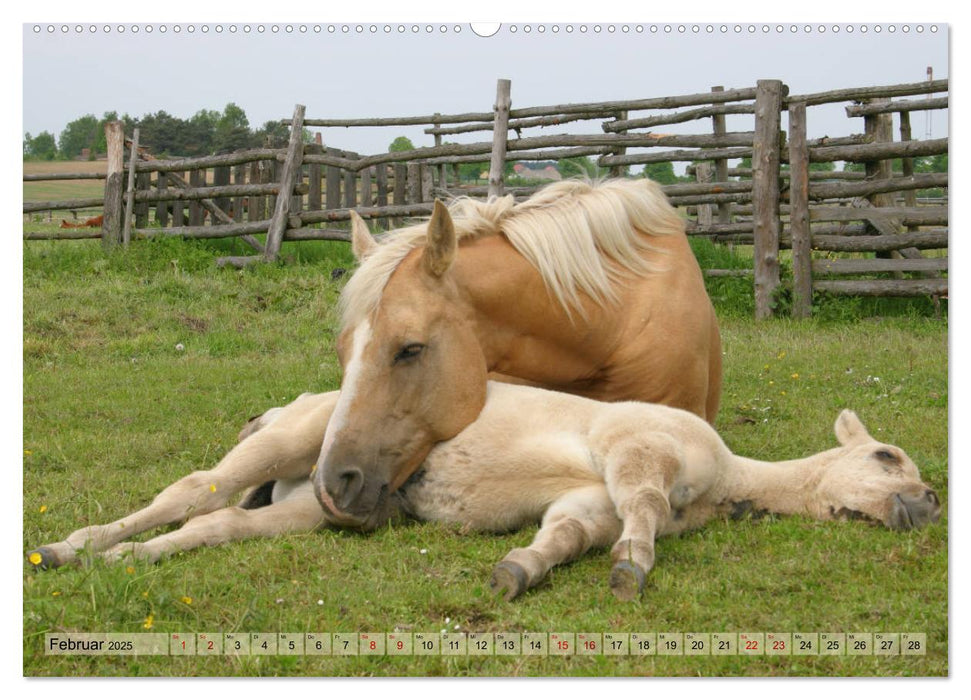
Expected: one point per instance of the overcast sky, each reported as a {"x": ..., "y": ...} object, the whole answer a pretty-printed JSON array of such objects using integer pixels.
[{"x": 368, "y": 74}]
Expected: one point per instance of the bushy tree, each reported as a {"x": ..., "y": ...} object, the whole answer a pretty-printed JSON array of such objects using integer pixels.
[
  {"x": 80, "y": 134},
  {"x": 40, "y": 147},
  {"x": 402, "y": 143},
  {"x": 662, "y": 173}
]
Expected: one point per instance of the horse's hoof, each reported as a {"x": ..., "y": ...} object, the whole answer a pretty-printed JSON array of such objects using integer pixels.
[
  {"x": 43, "y": 558},
  {"x": 508, "y": 579},
  {"x": 627, "y": 580}
]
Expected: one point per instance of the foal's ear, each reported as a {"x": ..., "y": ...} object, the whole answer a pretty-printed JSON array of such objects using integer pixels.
[
  {"x": 362, "y": 242},
  {"x": 441, "y": 245},
  {"x": 850, "y": 429}
]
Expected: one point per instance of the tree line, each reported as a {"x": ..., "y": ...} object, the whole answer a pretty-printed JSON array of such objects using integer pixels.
[{"x": 207, "y": 132}]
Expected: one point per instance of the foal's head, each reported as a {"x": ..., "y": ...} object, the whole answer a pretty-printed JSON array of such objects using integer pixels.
[
  {"x": 414, "y": 375},
  {"x": 874, "y": 480}
]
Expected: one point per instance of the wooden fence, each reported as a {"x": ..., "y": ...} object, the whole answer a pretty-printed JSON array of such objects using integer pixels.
[{"x": 299, "y": 192}]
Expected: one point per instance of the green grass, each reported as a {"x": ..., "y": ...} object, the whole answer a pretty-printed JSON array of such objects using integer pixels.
[{"x": 113, "y": 412}]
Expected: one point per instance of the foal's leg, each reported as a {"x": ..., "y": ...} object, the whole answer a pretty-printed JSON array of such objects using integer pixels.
[
  {"x": 581, "y": 519},
  {"x": 287, "y": 448},
  {"x": 299, "y": 512},
  {"x": 639, "y": 473}
]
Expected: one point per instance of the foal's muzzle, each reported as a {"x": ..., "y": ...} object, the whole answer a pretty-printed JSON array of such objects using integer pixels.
[{"x": 914, "y": 510}]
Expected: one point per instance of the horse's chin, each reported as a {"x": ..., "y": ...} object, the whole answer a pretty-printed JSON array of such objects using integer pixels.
[{"x": 377, "y": 516}]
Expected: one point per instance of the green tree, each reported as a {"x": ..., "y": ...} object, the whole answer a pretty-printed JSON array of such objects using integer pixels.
[
  {"x": 80, "y": 134},
  {"x": 40, "y": 147},
  {"x": 274, "y": 134},
  {"x": 662, "y": 173},
  {"x": 580, "y": 166},
  {"x": 402, "y": 143},
  {"x": 231, "y": 130}
]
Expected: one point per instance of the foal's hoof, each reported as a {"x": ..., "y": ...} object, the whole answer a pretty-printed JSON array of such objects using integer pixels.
[
  {"x": 508, "y": 579},
  {"x": 627, "y": 580},
  {"x": 43, "y": 558}
]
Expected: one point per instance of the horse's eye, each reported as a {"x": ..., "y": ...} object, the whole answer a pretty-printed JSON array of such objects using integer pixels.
[
  {"x": 409, "y": 352},
  {"x": 887, "y": 457}
]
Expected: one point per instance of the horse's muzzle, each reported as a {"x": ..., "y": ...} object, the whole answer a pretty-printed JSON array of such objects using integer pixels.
[
  {"x": 349, "y": 498},
  {"x": 913, "y": 510}
]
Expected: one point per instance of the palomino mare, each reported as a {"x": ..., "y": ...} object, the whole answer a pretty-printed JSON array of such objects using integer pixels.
[
  {"x": 589, "y": 289},
  {"x": 596, "y": 474}
]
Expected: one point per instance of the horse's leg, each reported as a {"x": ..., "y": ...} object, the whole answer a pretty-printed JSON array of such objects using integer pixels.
[
  {"x": 581, "y": 519},
  {"x": 299, "y": 512},
  {"x": 287, "y": 448},
  {"x": 639, "y": 472}
]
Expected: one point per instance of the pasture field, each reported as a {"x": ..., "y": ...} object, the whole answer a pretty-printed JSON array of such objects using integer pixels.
[{"x": 113, "y": 412}]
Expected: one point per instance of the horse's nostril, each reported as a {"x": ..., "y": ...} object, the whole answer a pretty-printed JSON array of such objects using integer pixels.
[
  {"x": 350, "y": 482},
  {"x": 931, "y": 496}
]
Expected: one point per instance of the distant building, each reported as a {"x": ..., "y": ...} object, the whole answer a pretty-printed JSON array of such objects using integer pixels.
[{"x": 544, "y": 171}]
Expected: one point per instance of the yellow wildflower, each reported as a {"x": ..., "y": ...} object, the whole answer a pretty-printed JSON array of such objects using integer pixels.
[
  {"x": 795, "y": 375},
  {"x": 129, "y": 570},
  {"x": 781, "y": 355},
  {"x": 212, "y": 488},
  {"x": 42, "y": 509},
  {"x": 187, "y": 600},
  {"x": 56, "y": 593},
  {"x": 149, "y": 621},
  {"x": 35, "y": 558},
  {"x": 28, "y": 452}
]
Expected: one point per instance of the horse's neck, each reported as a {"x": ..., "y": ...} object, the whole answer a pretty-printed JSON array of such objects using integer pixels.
[
  {"x": 524, "y": 332},
  {"x": 784, "y": 487}
]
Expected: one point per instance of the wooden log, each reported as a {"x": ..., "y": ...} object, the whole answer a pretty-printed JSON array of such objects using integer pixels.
[
  {"x": 224, "y": 191},
  {"x": 719, "y": 128},
  {"x": 884, "y": 288},
  {"x": 679, "y": 117},
  {"x": 551, "y": 154},
  {"x": 367, "y": 196},
  {"x": 427, "y": 183},
  {"x": 143, "y": 184},
  {"x": 316, "y": 234},
  {"x": 350, "y": 189},
  {"x": 43, "y": 177},
  {"x": 130, "y": 194},
  {"x": 704, "y": 174},
  {"x": 162, "y": 206},
  {"x": 720, "y": 187},
  {"x": 923, "y": 216},
  {"x": 866, "y": 266},
  {"x": 402, "y": 210},
  {"x": 63, "y": 234},
  {"x": 112, "y": 202},
  {"x": 674, "y": 156},
  {"x": 924, "y": 240},
  {"x": 879, "y": 151},
  {"x": 291, "y": 167},
  {"x": 333, "y": 184},
  {"x": 863, "y": 93},
  {"x": 269, "y": 176},
  {"x": 206, "y": 232},
  {"x": 413, "y": 194},
  {"x": 30, "y": 207},
  {"x": 180, "y": 164},
  {"x": 500, "y": 135},
  {"x": 518, "y": 124},
  {"x": 799, "y": 230},
  {"x": 220, "y": 178},
  {"x": 381, "y": 183},
  {"x": 400, "y": 183},
  {"x": 197, "y": 179},
  {"x": 441, "y": 168},
  {"x": 257, "y": 203},
  {"x": 620, "y": 170},
  {"x": 908, "y": 183},
  {"x": 239, "y": 203},
  {"x": 178, "y": 211},
  {"x": 901, "y": 106},
  {"x": 765, "y": 194}
]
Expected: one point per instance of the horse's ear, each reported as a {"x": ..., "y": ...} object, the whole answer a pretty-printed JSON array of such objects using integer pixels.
[
  {"x": 362, "y": 242},
  {"x": 441, "y": 245},
  {"x": 850, "y": 430}
]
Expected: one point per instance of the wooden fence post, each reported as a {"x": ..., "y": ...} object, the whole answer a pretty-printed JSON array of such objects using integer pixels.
[
  {"x": 703, "y": 173},
  {"x": 130, "y": 195},
  {"x": 292, "y": 163},
  {"x": 802, "y": 283},
  {"x": 113, "y": 213},
  {"x": 721, "y": 164},
  {"x": 765, "y": 193},
  {"x": 500, "y": 134}
]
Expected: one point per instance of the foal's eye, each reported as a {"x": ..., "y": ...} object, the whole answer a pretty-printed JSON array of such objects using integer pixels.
[
  {"x": 887, "y": 457},
  {"x": 409, "y": 352}
]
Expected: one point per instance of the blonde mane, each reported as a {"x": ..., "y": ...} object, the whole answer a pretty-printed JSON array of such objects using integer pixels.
[{"x": 581, "y": 236}]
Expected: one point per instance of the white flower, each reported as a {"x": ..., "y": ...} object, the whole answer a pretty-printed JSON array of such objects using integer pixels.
[{"x": 180, "y": 347}]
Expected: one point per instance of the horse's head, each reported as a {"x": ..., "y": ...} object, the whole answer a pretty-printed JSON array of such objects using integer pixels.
[
  {"x": 414, "y": 374},
  {"x": 874, "y": 480}
]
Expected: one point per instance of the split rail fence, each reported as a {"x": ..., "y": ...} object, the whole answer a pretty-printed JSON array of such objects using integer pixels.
[{"x": 831, "y": 221}]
